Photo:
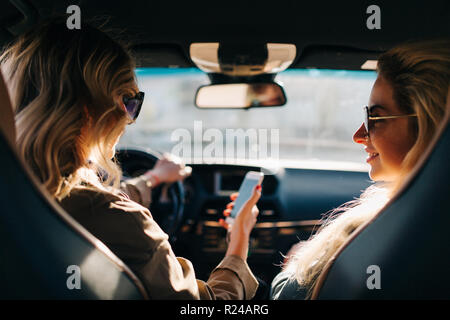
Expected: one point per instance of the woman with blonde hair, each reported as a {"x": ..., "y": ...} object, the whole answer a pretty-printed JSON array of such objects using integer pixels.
[
  {"x": 406, "y": 107},
  {"x": 73, "y": 93}
]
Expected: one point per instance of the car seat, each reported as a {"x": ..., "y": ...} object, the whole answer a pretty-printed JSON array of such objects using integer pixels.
[{"x": 44, "y": 253}]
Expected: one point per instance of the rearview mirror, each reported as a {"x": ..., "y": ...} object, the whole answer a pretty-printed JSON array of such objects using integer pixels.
[{"x": 240, "y": 95}]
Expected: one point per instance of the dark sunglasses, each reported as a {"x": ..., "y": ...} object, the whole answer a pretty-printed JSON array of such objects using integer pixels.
[
  {"x": 369, "y": 120},
  {"x": 133, "y": 105}
]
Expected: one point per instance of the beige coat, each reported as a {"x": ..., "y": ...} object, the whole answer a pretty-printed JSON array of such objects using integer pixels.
[{"x": 129, "y": 230}]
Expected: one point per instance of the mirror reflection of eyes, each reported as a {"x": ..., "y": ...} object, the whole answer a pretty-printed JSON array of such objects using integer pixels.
[{"x": 240, "y": 95}]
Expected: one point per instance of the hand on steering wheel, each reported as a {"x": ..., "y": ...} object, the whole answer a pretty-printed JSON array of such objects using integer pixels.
[
  {"x": 167, "y": 206},
  {"x": 168, "y": 169}
]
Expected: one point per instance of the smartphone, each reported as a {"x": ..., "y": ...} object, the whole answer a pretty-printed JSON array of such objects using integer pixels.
[{"x": 251, "y": 180}]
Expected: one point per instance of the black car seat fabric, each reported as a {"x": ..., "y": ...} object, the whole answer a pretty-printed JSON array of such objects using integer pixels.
[
  {"x": 44, "y": 253},
  {"x": 404, "y": 252}
]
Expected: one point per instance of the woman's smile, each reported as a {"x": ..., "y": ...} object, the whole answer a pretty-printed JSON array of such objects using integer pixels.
[{"x": 371, "y": 156}]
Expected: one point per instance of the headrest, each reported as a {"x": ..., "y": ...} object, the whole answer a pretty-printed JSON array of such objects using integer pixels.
[{"x": 7, "y": 124}]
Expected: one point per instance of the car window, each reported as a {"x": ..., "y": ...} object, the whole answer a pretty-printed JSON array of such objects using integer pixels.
[{"x": 323, "y": 110}]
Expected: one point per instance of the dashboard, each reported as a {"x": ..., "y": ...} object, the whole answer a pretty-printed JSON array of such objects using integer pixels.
[{"x": 291, "y": 206}]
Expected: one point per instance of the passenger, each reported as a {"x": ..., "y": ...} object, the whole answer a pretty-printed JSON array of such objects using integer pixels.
[
  {"x": 406, "y": 106},
  {"x": 73, "y": 93}
]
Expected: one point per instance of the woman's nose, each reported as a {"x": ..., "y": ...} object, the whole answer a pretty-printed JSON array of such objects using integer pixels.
[{"x": 360, "y": 136}]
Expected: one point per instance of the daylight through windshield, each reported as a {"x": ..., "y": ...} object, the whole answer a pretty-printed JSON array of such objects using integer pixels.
[{"x": 323, "y": 111}]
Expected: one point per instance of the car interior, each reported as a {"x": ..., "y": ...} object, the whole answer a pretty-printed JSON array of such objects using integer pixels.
[{"x": 219, "y": 51}]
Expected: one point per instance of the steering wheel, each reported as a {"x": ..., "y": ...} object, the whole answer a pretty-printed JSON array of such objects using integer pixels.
[{"x": 167, "y": 205}]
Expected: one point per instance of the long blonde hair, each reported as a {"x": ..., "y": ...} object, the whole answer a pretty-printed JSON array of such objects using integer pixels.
[
  {"x": 65, "y": 83},
  {"x": 420, "y": 76}
]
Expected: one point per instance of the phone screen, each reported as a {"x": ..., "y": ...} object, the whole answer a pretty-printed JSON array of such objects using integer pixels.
[{"x": 251, "y": 180}]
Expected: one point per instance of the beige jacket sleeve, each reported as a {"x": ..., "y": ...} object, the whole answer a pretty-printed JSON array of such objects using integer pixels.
[
  {"x": 138, "y": 189},
  {"x": 169, "y": 277},
  {"x": 129, "y": 230},
  {"x": 232, "y": 279}
]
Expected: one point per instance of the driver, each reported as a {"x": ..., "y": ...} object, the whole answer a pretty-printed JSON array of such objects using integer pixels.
[{"x": 73, "y": 93}]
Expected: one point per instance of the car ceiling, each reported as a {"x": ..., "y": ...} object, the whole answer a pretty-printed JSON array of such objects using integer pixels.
[{"x": 328, "y": 34}]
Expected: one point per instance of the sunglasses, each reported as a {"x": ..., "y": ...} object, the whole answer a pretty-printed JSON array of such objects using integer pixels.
[
  {"x": 369, "y": 120},
  {"x": 133, "y": 105}
]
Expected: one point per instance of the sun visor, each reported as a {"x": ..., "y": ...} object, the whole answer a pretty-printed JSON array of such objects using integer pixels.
[{"x": 238, "y": 59}]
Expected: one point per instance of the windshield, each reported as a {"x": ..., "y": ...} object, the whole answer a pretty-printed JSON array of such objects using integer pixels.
[{"x": 316, "y": 125}]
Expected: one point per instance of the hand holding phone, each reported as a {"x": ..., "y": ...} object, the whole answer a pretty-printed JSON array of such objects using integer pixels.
[
  {"x": 244, "y": 213},
  {"x": 251, "y": 180}
]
